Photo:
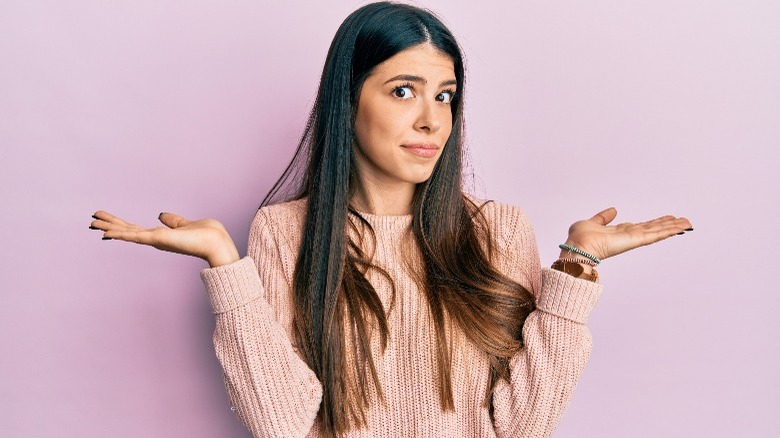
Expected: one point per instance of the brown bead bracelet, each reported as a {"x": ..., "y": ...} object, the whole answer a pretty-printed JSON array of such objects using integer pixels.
[
  {"x": 578, "y": 260},
  {"x": 575, "y": 269}
]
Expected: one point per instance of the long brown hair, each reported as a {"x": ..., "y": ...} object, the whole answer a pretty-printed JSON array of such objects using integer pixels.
[{"x": 333, "y": 298}]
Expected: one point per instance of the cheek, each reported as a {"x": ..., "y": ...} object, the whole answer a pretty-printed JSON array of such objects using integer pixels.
[
  {"x": 365, "y": 122},
  {"x": 446, "y": 126},
  {"x": 376, "y": 125},
  {"x": 368, "y": 133}
]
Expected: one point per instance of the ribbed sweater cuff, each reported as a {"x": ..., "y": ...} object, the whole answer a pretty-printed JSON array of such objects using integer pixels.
[
  {"x": 566, "y": 296},
  {"x": 233, "y": 285}
]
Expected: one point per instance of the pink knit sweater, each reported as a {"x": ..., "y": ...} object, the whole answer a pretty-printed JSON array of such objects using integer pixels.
[{"x": 274, "y": 393}]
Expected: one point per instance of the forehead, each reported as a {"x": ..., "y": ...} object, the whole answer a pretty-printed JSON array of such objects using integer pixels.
[{"x": 422, "y": 60}]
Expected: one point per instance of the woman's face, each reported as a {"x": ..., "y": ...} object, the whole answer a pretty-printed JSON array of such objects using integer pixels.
[{"x": 404, "y": 118}]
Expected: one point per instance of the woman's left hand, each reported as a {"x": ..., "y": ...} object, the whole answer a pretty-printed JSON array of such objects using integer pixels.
[{"x": 597, "y": 237}]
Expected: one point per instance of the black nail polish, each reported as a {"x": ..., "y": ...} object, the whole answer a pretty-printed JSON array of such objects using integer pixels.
[
  {"x": 93, "y": 228},
  {"x": 107, "y": 238},
  {"x": 159, "y": 215},
  {"x": 681, "y": 233},
  {"x": 689, "y": 229},
  {"x": 95, "y": 217}
]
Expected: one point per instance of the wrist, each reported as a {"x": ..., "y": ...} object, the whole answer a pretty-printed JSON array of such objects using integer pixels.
[
  {"x": 576, "y": 261},
  {"x": 225, "y": 254},
  {"x": 223, "y": 259},
  {"x": 572, "y": 249},
  {"x": 575, "y": 269},
  {"x": 587, "y": 265}
]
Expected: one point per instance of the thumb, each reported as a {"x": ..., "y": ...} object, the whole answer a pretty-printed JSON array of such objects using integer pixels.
[
  {"x": 172, "y": 220},
  {"x": 605, "y": 216}
]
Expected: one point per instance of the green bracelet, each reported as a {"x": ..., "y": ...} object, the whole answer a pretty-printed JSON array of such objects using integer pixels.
[{"x": 580, "y": 252}]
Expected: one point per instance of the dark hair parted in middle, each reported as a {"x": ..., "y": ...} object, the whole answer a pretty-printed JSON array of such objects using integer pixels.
[{"x": 332, "y": 295}]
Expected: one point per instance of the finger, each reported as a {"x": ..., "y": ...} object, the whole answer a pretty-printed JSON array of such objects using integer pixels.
[
  {"x": 647, "y": 235},
  {"x": 660, "y": 226},
  {"x": 143, "y": 237},
  {"x": 99, "y": 224},
  {"x": 108, "y": 217},
  {"x": 665, "y": 234},
  {"x": 659, "y": 220},
  {"x": 172, "y": 220},
  {"x": 682, "y": 224},
  {"x": 605, "y": 216}
]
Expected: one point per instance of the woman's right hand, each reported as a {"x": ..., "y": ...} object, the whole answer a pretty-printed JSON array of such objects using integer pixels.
[{"x": 204, "y": 238}]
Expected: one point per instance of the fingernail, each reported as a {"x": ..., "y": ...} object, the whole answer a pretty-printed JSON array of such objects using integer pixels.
[
  {"x": 689, "y": 229},
  {"x": 93, "y": 228},
  {"x": 95, "y": 217},
  {"x": 681, "y": 232},
  {"x": 159, "y": 215},
  {"x": 107, "y": 238}
]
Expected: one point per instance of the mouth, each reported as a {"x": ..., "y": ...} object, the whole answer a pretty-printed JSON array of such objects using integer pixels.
[{"x": 426, "y": 150}]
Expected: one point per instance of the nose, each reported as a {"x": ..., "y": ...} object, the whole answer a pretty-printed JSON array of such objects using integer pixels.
[{"x": 428, "y": 119}]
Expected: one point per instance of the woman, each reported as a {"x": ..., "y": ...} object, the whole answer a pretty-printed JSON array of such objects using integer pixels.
[{"x": 381, "y": 300}]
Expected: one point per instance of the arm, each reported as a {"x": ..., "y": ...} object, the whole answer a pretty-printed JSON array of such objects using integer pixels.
[
  {"x": 271, "y": 387},
  {"x": 557, "y": 342},
  {"x": 275, "y": 393},
  {"x": 545, "y": 372}
]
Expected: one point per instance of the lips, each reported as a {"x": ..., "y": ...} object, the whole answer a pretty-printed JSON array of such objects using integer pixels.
[{"x": 426, "y": 150}]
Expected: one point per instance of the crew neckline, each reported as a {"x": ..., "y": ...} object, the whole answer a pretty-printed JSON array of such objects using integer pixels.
[{"x": 386, "y": 221}]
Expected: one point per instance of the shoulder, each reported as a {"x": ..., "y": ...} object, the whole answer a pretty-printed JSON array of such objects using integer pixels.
[
  {"x": 282, "y": 223},
  {"x": 512, "y": 234},
  {"x": 282, "y": 213},
  {"x": 505, "y": 221}
]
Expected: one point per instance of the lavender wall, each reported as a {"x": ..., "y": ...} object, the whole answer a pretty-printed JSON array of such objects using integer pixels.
[{"x": 195, "y": 106}]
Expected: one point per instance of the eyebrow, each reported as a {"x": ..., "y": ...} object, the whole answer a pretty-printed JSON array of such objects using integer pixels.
[{"x": 418, "y": 79}]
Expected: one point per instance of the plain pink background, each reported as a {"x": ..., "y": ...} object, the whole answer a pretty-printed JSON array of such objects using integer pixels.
[{"x": 194, "y": 107}]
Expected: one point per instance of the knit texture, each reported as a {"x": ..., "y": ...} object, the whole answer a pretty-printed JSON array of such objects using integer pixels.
[{"x": 275, "y": 394}]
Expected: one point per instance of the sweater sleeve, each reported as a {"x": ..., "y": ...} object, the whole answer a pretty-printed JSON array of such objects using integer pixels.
[
  {"x": 272, "y": 390},
  {"x": 557, "y": 342}
]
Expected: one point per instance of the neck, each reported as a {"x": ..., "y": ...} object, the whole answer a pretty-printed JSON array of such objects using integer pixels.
[{"x": 383, "y": 200}]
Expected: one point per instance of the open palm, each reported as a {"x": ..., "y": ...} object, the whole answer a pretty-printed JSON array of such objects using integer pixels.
[
  {"x": 597, "y": 237},
  {"x": 204, "y": 238}
]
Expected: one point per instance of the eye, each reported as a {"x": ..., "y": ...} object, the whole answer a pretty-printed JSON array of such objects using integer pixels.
[
  {"x": 445, "y": 96},
  {"x": 403, "y": 92}
]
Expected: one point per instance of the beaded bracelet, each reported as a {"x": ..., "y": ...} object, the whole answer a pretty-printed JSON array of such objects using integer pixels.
[
  {"x": 580, "y": 252},
  {"x": 588, "y": 262},
  {"x": 575, "y": 270}
]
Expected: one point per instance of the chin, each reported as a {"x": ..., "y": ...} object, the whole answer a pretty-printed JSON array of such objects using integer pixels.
[{"x": 419, "y": 179}]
